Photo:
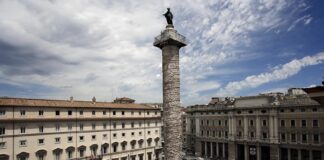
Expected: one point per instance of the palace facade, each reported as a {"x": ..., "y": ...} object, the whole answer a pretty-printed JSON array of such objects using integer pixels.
[
  {"x": 39, "y": 129},
  {"x": 271, "y": 126}
]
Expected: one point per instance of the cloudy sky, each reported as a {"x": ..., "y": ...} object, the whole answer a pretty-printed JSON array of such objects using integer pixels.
[{"x": 84, "y": 48}]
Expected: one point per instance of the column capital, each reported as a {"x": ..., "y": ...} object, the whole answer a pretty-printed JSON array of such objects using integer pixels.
[{"x": 169, "y": 36}]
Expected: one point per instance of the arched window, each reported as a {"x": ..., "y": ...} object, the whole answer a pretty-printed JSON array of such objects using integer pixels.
[
  {"x": 69, "y": 151},
  {"x": 124, "y": 144},
  {"x": 23, "y": 156},
  {"x": 81, "y": 150},
  {"x": 93, "y": 149},
  {"x": 104, "y": 148},
  {"x": 40, "y": 154},
  {"x": 115, "y": 145}
]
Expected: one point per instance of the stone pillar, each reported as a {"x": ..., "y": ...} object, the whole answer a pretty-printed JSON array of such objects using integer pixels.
[
  {"x": 289, "y": 154},
  {"x": 246, "y": 124},
  {"x": 246, "y": 152},
  {"x": 274, "y": 152},
  {"x": 258, "y": 128},
  {"x": 232, "y": 151},
  {"x": 211, "y": 149},
  {"x": 170, "y": 43},
  {"x": 217, "y": 149},
  {"x": 299, "y": 154},
  {"x": 206, "y": 152},
  {"x": 258, "y": 152},
  {"x": 310, "y": 154},
  {"x": 224, "y": 150}
]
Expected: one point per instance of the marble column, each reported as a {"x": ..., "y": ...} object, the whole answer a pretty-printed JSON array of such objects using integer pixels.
[
  {"x": 211, "y": 149},
  {"x": 217, "y": 149},
  {"x": 206, "y": 149}
]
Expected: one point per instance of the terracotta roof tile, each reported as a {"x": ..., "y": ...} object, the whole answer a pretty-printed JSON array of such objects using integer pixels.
[{"x": 4, "y": 101}]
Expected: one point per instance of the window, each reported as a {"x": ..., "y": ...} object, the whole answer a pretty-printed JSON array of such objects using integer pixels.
[
  {"x": 22, "y": 129},
  {"x": 132, "y": 113},
  {"x": 114, "y": 112},
  {"x": 314, "y": 109},
  {"x": 40, "y": 141},
  {"x": 41, "y": 129},
  {"x": 148, "y": 124},
  {"x": 283, "y": 137},
  {"x": 282, "y": 110},
  {"x": 207, "y": 122},
  {"x": 69, "y": 112},
  {"x": 303, "y": 110},
  {"x": 57, "y": 127},
  {"x": 148, "y": 132},
  {"x": 219, "y": 122},
  {"x": 156, "y": 131},
  {"x": 132, "y": 124},
  {"x": 264, "y": 135},
  {"x": 239, "y": 134},
  {"x": 282, "y": 123},
  {"x": 148, "y": 113},
  {"x": 93, "y": 137},
  {"x": 114, "y": 148},
  {"x": 114, "y": 125},
  {"x": 292, "y": 110},
  {"x": 104, "y": 112},
  {"x": 251, "y": 122},
  {"x": 252, "y": 134},
  {"x": 70, "y": 138},
  {"x": 104, "y": 126},
  {"x": 81, "y": 138},
  {"x": 81, "y": 127},
  {"x": 303, "y": 123},
  {"x": 123, "y": 134},
  {"x": 22, "y": 112},
  {"x": 81, "y": 153},
  {"x": 316, "y": 138},
  {"x": 2, "y": 144},
  {"x": 140, "y": 113},
  {"x": 250, "y": 111},
  {"x": 70, "y": 154},
  {"x": 122, "y": 113},
  {"x": 57, "y": 156},
  {"x": 133, "y": 133},
  {"x": 240, "y": 123},
  {"x": 93, "y": 126},
  {"x": 293, "y": 137},
  {"x": 304, "y": 137},
  {"x": 226, "y": 134},
  {"x": 140, "y": 124},
  {"x": 115, "y": 135},
  {"x": 123, "y": 125},
  {"x": 93, "y": 113},
  {"x": 57, "y": 140},
  {"x": 140, "y": 133},
  {"x": 40, "y": 112},
  {"x": 23, "y": 143},
  {"x": 264, "y": 122},
  {"x": 57, "y": 112},
  {"x": 263, "y": 111},
  {"x": 225, "y": 122},
  {"x": 315, "y": 123},
  {"x": 2, "y": 112},
  {"x": 69, "y": 127},
  {"x": 292, "y": 123},
  {"x": 104, "y": 136},
  {"x": 81, "y": 112},
  {"x": 155, "y": 113}
]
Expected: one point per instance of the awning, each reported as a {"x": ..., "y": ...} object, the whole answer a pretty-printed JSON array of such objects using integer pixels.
[
  {"x": 105, "y": 145},
  {"x": 82, "y": 147},
  {"x": 94, "y": 146},
  {"x": 41, "y": 152},
  {"x": 23, "y": 155},
  {"x": 57, "y": 150},
  {"x": 4, "y": 157},
  {"x": 70, "y": 149}
]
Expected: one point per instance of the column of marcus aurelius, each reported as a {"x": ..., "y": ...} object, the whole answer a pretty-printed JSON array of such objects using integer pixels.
[{"x": 170, "y": 42}]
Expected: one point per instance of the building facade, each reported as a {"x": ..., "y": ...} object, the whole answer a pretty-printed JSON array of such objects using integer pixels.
[
  {"x": 264, "y": 127},
  {"x": 38, "y": 129}
]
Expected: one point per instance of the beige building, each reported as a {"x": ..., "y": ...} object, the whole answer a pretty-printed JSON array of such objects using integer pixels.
[
  {"x": 272, "y": 126},
  {"x": 39, "y": 129}
]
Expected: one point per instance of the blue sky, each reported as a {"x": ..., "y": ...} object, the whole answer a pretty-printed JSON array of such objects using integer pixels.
[{"x": 57, "y": 49}]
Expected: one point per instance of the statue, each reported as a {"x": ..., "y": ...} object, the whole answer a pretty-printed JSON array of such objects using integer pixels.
[{"x": 169, "y": 16}]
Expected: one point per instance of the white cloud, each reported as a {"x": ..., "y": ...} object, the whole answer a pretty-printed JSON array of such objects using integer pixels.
[
  {"x": 282, "y": 72},
  {"x": 104, "y": 48}
]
